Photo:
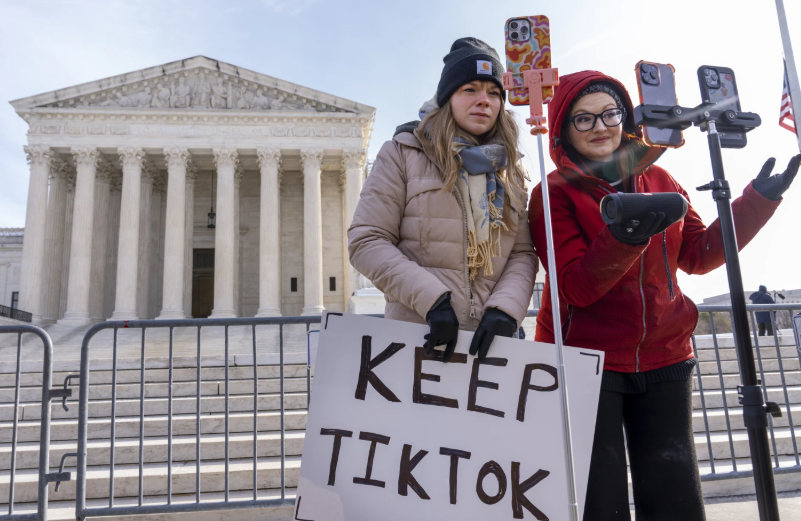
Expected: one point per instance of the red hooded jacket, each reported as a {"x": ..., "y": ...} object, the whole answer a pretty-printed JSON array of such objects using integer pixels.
[{"x": 613, "y": 296}]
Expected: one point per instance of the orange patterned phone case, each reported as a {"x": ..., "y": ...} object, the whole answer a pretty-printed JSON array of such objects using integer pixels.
[{"x": 528, "y": 46}]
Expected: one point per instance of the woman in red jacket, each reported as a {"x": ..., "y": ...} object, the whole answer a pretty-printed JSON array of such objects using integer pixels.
[{"x": 618, "y": 293}]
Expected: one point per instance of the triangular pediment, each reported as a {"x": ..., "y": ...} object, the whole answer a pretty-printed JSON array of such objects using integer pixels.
[{"x": 194, "y": 84}]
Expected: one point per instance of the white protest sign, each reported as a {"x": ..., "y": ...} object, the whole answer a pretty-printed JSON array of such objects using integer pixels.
[
  {"x": 395, "y": 435},
  {"x": 312, "y": 341}
]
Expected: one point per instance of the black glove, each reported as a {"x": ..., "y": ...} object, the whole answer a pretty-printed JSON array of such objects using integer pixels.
[
  {"x": 494, "y": 322},
  {"x": 773, "y": 186},
  {"x": 638, "y": 231},
  {"x": 444, "y": 327}
]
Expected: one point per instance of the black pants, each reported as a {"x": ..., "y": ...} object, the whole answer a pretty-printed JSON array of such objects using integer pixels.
[
  {"x": 664, "y": 469},
  {"x": 765, "y": 326}
]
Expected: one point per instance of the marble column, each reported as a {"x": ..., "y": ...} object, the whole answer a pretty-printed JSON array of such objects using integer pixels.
[
  {"x": 238, "y": 175},
  {"x": 33, "y": 247},
  {"x": 226, "y": 236},
  {"x": 175, "y": 234},
  {"x": 125, "y": 297},
  {"x": 65, "y": 259},
  {"x": 312, "y": 160},
  {"x": 97, "y": 293},
  {"x": 270, "y": 234},
  {"x": 113, "y": 239},
  {"x": 54, "y": 242},
  {"x": 145, "y": 208},
  {"x": 79, "y": 281},
  {"x": 353, "y": 168},
  {"x": 191, "y": 178}
]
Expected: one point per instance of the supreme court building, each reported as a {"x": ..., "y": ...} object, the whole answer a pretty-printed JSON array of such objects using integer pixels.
[{"x": 125, "y": 172}]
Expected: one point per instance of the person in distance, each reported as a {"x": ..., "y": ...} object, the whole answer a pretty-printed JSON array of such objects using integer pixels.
[
  {"x": 441, "y": 226},
  {"x": 618, "y": 293}
]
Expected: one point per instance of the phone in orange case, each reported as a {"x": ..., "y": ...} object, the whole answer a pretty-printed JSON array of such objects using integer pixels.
[
  {"x": 528, "y": 46},
  {"x": 657, "y": 86}
]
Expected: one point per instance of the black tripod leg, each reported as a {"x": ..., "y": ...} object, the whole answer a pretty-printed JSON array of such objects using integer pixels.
[{"x": 756, "y": 421}]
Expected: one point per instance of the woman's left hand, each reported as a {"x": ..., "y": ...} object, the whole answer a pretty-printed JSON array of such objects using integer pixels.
[
  {"x": 772, "y": 187},
  {"x": 494, "y": 322}
]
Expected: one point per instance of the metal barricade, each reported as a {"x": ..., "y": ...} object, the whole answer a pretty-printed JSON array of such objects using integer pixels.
[
  {"x": 198, "y": 503},
  {"x": 48, "y": 394}
]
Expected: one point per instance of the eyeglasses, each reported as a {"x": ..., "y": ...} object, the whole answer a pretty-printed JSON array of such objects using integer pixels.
[{"x": 586, "y": 121}]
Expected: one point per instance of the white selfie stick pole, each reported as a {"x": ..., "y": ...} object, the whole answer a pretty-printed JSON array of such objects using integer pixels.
[{"x": 557, "y": 336}]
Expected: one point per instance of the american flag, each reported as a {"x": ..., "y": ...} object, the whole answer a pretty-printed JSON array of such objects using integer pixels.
[{"x": 786, "y": 112}]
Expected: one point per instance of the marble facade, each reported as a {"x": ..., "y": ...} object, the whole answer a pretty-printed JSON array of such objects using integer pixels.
[{"x": 124, "y": 171}]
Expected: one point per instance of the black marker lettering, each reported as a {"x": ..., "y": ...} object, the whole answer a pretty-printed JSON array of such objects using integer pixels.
[
  {"x": 527, "y": 386},
  {"x": 519, "y": 499},
  {"x": 405, "y": 478},
  {"x": 430, "y": 399},
  {"x": 493, "y": 468},
  {"x": 366, "y": 370},
  {"x": 475, "y": 383},
  {"x": 455, "y": 455},
  {"x": 337, "y": 434},
  {"x": 374, "y": 439}
]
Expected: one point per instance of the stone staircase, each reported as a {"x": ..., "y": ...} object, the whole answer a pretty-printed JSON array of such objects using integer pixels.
[
  {"x": 64, "y": 433},
  {"x": 64, "y": 430}
]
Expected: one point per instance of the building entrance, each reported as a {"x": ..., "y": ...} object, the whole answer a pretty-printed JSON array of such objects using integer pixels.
[{"x": 202, "y": 282}]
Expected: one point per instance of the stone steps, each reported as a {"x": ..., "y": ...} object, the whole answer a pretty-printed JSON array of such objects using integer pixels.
[
  {"x": 183, "y": 424},
  {"x": 157, "y": 406},
  {"x": 714, "y": 398},
  {"x": 766, "y": 352},
  {"x": 786, "y": 338},
  {"x": 126, "y": 479},
  {"x": 161, "y": 389},
  {"x": 721, "y": 449},
  {"x": 733, "y": 368},
  {"x": 126, "y": 450},
  {"x": 731, "y": 381},
  {"x": 717, "y": 419}
]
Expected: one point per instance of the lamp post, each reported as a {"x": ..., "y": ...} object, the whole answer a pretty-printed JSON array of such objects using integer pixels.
[{"x": 212, "y": 216}]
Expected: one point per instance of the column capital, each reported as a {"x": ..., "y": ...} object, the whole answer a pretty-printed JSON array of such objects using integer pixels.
[
  {"x": 105, "y": 170},
  {"x": 353, "y": 158},
  {"x": 269, "y": 157},
  {"x": 149, "y": 172},
  {"x": 312, "y": 159},
  {"x": 239, "y": 173},
  {"x": 225, "y": 157},
  {"x": 38, "y": 155},
  {"x": 60, "y": 169},
  {"x": 159, "y": 181},
  {"x": 191, "y": 173},
  {"x": 115, "y": 180},
  {"x": 177, "y": 157},
  {"x": 85, "y": 156},
  {"x": 131, "y": 156}
]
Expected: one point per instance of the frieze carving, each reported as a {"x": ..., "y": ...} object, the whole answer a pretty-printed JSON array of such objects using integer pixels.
[{"x": 201, "y": 90}]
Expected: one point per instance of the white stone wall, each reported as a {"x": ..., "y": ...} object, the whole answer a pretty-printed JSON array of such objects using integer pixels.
[
  {"x": 292, "y": 242},
  {"x": 10, "y": 266},
  {"x": 249, "y": 190},
  {"x": 333, "y": 252}
]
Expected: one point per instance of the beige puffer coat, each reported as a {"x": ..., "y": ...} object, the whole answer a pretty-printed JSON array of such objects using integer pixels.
[{"x": 408, "y": 238}]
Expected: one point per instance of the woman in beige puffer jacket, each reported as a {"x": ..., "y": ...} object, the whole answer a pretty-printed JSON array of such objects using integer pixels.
[{"x": 409, "y": 234}]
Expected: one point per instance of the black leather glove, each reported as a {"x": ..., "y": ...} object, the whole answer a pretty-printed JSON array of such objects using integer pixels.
[
  {"x": 773, "y": 186},
  {"x": 638, "y": 231},
  {"x": 444, "y": 327},
  {"x": 494, "y": 322}
]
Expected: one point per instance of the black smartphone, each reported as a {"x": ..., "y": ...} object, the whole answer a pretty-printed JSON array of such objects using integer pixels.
[
  {"x": 719, "y": 86},
  {"x": 657, "y": 86}
]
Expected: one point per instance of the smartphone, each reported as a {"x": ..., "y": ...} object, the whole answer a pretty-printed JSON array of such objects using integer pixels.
[
  {"x": 719, "y": 86},
  {"x": 657, "y": 86},
  {"x": 528, "y": 46}
]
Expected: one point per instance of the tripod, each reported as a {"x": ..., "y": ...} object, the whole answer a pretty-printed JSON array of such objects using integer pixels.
[{"x": 755, "y": 409}]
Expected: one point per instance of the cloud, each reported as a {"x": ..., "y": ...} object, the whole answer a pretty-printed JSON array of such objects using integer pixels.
[{"x": 289, "y": 8}]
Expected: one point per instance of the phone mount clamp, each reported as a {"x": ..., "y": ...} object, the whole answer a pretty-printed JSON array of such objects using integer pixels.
[
  {"x": 534, "y": 81},
  {"x": 756, "y": 411}
]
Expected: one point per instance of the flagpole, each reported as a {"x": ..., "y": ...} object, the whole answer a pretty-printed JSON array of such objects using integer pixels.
[{"x": 792, "y": 72}]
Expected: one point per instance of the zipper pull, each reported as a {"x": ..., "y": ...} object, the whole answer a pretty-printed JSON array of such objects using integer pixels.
[{"x": 472, "y": 308}]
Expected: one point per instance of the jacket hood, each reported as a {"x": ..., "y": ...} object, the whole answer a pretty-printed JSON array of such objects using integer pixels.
[{"x": 569, "y": 87}]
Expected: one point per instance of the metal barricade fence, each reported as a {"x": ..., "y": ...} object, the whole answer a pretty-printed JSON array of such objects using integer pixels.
[
  {"x": 48, "y": 394},
  {"x": 198, "y": 503},
  {"x": 716, "y": 373}
]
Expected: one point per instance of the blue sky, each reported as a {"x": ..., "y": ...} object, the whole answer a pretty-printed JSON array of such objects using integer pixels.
[{"x": 389, "y": 55}]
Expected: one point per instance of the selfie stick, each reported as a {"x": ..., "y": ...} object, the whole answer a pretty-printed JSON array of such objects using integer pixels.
[
  {"x": 755, "y": 409},
  {"x": 534, "y": 81}
]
